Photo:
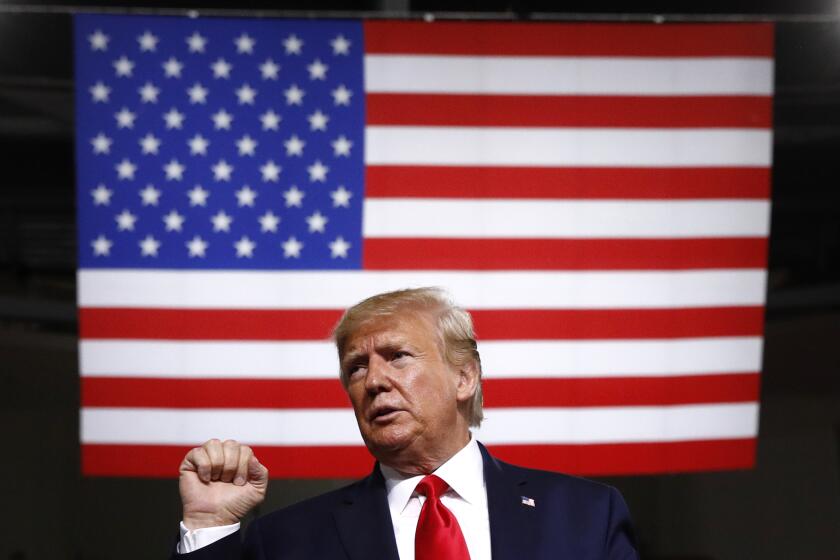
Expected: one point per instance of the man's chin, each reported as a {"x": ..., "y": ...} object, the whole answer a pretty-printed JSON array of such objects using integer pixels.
[{"x": 386, "y": 441}]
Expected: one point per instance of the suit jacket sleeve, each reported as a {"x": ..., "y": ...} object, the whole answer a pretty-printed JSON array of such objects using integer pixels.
[{"x": 621, "y": 542}]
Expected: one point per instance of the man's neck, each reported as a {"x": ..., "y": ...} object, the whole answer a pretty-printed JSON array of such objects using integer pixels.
[{"x": 410, "y": 466}]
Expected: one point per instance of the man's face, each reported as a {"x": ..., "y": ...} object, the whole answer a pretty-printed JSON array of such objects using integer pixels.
[{"x": 404, "y": 393}]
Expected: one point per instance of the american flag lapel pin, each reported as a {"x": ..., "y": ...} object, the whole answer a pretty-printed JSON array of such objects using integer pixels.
[{"x": 526, "y": 501}]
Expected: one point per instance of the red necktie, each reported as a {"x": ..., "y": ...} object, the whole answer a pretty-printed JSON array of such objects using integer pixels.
[{"x": 438, "y": 536}]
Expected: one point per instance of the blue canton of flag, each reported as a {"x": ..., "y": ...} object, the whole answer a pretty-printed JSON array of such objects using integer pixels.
[{"x": 223, "y": 144}]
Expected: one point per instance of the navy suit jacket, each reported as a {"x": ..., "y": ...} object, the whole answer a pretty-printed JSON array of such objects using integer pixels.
[{"x": 571, "y": 518}]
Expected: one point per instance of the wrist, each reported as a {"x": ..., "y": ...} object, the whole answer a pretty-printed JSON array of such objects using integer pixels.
[{"x": 201, "y": 520}]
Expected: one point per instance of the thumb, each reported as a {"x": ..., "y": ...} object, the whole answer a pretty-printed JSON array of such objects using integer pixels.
[{"x": 257, "y": 473}]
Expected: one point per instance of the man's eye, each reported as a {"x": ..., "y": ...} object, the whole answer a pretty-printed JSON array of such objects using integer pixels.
[
  {"x": 399, "y": 354},
  {"x": 354, "y": 369}
]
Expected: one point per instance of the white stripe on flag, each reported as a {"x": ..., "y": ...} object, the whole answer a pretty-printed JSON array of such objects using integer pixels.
[
  {"x": 338, "y": 426},
  {"x": 554, "y": 147},
  {"x": 500, "y": 359},
  {"x": 458, "y": 218},
  {"x": 185, "y": 289},
  {"x": 545, "y": 75}
]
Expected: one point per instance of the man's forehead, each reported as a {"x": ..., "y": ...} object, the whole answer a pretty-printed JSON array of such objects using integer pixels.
[{"x": 391, "y": 329}]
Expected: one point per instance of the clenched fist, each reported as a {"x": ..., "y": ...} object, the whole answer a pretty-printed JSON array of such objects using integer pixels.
[{"x": 220, "y": 483}]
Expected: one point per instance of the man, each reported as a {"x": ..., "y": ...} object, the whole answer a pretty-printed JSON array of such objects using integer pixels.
[{"x": 410, "y": 365}]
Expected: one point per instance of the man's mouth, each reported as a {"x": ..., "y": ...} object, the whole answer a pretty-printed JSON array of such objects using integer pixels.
[{"x": 383, "y": 413}]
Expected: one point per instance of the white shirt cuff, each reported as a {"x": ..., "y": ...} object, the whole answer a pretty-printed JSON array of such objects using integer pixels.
[{"x": 193, "y": 539}]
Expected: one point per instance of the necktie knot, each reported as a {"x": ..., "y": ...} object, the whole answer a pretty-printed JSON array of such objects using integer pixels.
[{"x": 432, "y": 486}]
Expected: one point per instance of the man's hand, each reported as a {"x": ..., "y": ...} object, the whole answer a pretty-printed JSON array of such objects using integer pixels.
[{"x": 220, "y": 483}]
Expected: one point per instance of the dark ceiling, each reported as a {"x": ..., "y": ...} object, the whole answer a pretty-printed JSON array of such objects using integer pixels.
[{"x": 37, "y": 239}]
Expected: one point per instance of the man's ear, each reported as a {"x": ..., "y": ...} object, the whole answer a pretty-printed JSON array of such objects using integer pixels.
[{"x": 468, "y": 379}]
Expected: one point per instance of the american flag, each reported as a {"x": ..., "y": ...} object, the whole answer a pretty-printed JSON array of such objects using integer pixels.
[{"x": 597, "y": 195}]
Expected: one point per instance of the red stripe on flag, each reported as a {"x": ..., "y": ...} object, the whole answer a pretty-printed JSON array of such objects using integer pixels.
[
  {"x": 525, "y": 324},
  {"x": 627, "y": 391},
  {"x": 576, "y": 39},
  {"x": 636, "y": 458},
  {"x": 162, "y": 461},
  {"x": 564, "y": 254},
  {"x": 568, "y": 182},
  {"x": 328, "y": 393},
  {"x": 207, "y": 324},
  {"x": 598, "y": 324},
  {"x": 583, "y": 111}
]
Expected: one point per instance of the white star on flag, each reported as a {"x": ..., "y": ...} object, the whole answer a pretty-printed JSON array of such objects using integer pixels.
[
  {"x": 292, "y": 44},
  {"x": 125, "y": 118},
  {"x": 196, "y": 42},
  {"x": 294, "y": 146},
  {"x": 221, "y": 221},
  {"x": 198, "y": 94},
  {"x": 174, "y": 170},
  {"x": 150, "y": 144},
  {"x": 174, "y": 221},
  {"x": 341, "y": 95},
  {"x": 99, "y": 92},
  {"x": 294, "y": 197},
  {"x": 125, "y": 169},
  {"x": 317, "y": 172},
  {"x": 245, "y": 247},
  {"x": 246, "y": 95},
  {"x": 269, "y": 70},
  {"x": 149, "y": 246},
  {"x": 222, "y": 119},
  {"x": 317, "y": 70},
  {"x": 270, "y": 171},
  {"x": 341, "y": 146},
  {"x": 244, "y": 44},
  {"x": 98, "y": 41},
  {"x": 197, "y": 247},
  {"x": 101, "y": 144},
  {"x": 270, "y": 120},
  {"x": 340, "y": 45},
  {"x": 292, "y": 247},
  {"x": 294, "y": 95},
  {"x": 148, "y": 42},
  {"x": 123, "y": 67},
  {"x": 246, "y": 146},
  {"x": 149, "y": 195},
  {"x": 173, "y": 118},
  {"x": 101, "y": 195},
  {"x": 318, "y": 121},
  {"x": 222, "y": 171},
  {"x": 101, "y": 246},
  {"x": 172, "y": 68},
  {"x": 317, "y": 222},
  {"x": 148, "y": 93},
  {"x": 198, "y": 196},
  {"x": 341, "y": 197},
  {"x": 221, "y": 68},
  {"x": 246, "y": 196},
  {"x": 339, "y": 248},
  {"x": 269, "y": 222},
  {"x": 125, "y": 220},
  {"x": 198, "y": 145}
]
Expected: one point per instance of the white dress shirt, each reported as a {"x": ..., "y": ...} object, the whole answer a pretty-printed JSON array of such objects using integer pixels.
[{"x": 466, "y": 499}]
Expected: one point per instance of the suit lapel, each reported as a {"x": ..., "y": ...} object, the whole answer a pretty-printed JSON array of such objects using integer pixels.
[
  {"x": 364, "y": 521},
  {"x": 513, "y": 525}
]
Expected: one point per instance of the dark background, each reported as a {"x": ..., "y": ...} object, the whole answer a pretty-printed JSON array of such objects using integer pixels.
[{"x": 787, "y": 507}]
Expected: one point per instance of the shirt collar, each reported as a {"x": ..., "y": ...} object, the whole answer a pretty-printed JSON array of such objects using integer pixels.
[{"x": 463, "y": 472}]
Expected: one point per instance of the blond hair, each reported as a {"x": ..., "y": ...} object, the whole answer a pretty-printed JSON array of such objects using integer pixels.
[{"x": 453, "y": 324}]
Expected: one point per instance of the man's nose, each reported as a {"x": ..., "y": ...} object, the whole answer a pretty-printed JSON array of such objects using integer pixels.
[{"x": 378, "y": 377}]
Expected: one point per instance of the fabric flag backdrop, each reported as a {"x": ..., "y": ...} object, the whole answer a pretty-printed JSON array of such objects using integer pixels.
[{"x": 596, "y": 194}]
